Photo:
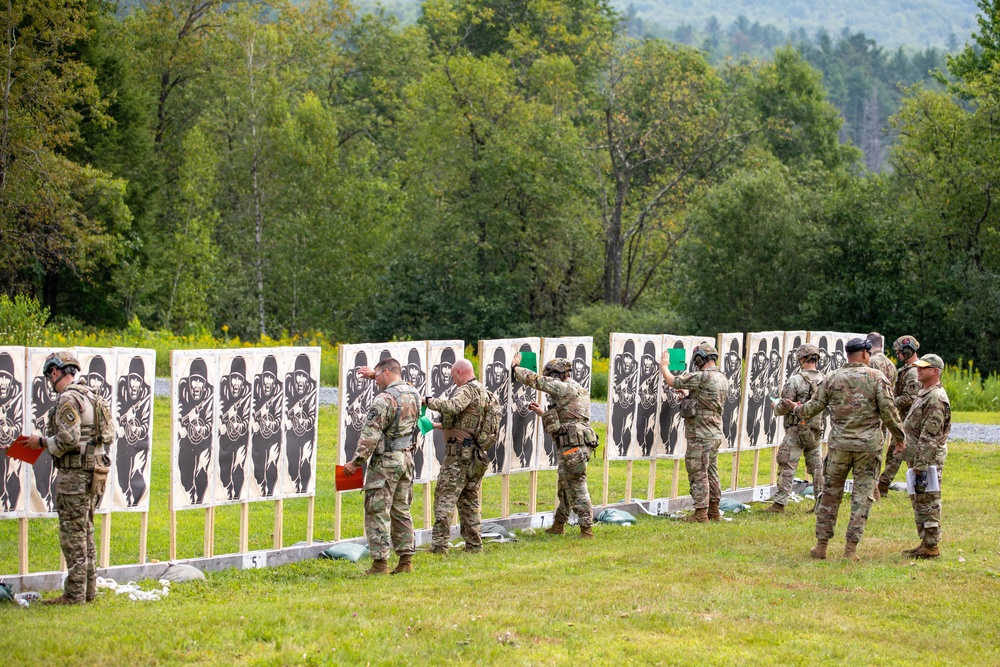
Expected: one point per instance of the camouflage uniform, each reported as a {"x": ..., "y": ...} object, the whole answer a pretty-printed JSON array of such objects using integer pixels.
[
  {"x": 568, "y": 420},
  {"x": 387, "y": 437},
  {"x": 704, "y": 432},
  {"x": 906, "y": 389},
  {"x": 881, "y": 362},
  {"x": 800, "y": 437},
  {"x": 860, "y": 402},
  {"x": 463, "y": 467},
  {"x": 70, "y": 429},
  {"x": 926, "y": 429}
]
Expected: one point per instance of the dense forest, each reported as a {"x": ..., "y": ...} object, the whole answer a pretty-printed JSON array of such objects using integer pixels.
[{"x": 496, "y": 168}]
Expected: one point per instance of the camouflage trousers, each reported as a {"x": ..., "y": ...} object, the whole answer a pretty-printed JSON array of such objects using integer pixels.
[
  {"x": 572, "y": 488},
  {"x": 75, "y": 505},
  {"x": 388, "y": 494},
  {"x": 457, "y": 485},
  {"x": 893, "y": 461},
  {"x": 702, "y": 464},
  {"x": 927, "y": 514},
  {"x": 864, "y": 466},
  {"x": 799, "y": 440}
]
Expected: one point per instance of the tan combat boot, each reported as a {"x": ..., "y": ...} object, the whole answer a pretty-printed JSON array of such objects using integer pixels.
[
  {"x": 439, "y": 550},
  {"x": 378, "y": 567},
  {"x": 883, "y": 488},
  {"x": 62, "y": 599},
  {"x": 910, "y": 552},
  {"x": 713, "y": 511},
  {"x": 775, "y": 508},
  {"x": 587, "y": 532},
  {"x": 405, "y": 564},
  {"x": 700, "y": 516},
  {"x": 851, "y": 551},
  {"x": 924, "y": 551},
  {"x": 557, "y": 528},
  {"x": 819, "y": 551}
]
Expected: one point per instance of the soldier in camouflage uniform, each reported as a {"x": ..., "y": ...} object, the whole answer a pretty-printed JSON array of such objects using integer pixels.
[
  {"x": 860, "y": 401},
  {"x": 78, "y": 433},
  {"x": 388, "y": 437},
  {"x": 465, "y": 461},
  {"x": 800, "y": 437},
  {"x": 926, "y": 429},
  {"x": 706, "y": 390},
  {"x": 884, "y": 364},
  {"x": 905, "y": 390},
  {"x": 567, "y": 419}
]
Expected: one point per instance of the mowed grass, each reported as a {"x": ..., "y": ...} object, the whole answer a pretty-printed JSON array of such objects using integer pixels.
[
  {"x": 659, "y": 592},
  {"x": 975, "y": 417}
]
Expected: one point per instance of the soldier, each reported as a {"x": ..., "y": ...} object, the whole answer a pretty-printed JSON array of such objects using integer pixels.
[
  {"x": 884, "y": 364},
  {"x": 860, "y": 401},
  {"x": 79, "y": 432},
  {"x": 705, "y": 394},
  {"x": 465, "y": 460},
  {"x": 905, "y": 390},
  {"x": 926, "y": 429},
  {"x": 568, "y": 420},
  {"x": 388, "y": 437},
  {"x": 800, "y": 437}
]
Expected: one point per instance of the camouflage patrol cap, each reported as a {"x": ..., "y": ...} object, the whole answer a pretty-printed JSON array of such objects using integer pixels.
[
  {"x": 705, "y": 351},
  {"x": 906, "y": 341},
  {"x": 930, "y": 361},
  {"x": 60, "y": 360},
  {"x": 557, "y": 366},
  {"x": 807, "y": 350}
]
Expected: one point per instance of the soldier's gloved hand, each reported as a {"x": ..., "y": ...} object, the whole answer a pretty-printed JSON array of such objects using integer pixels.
[{"x": 899, "y": 448}]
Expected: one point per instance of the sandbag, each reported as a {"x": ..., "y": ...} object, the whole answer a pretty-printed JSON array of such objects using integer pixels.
[
  {"x": 495, "y": 529},
  {"x": 734, "y": 506},
  {"x": 182, "y": 573},
  {"x": 615, "y": 516},
  {"x": 6, "y": 594},
  {"x": 345, "y": 551},
  {"x": 809, "y": 491}
]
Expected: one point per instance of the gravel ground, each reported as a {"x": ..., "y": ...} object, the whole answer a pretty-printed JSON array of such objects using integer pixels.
[{"x": 599, "y": 413}]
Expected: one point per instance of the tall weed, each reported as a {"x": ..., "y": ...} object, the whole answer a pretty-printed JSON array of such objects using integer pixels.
[{"x": 969, "y": 391}]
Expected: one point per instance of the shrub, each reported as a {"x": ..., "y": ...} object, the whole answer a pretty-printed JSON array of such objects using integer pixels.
[
  {"x": 600, "y": 320},
  {"x": 969, "y": 391},
  {"x": 22, "y": 321}
]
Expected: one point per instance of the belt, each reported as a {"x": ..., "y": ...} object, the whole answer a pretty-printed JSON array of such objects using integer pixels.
[{"x": 68, "y": 461}]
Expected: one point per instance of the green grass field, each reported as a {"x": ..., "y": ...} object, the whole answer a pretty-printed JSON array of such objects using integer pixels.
[
  {"x": 975, "y": 417},
  {"x": 660, "y": 592}
]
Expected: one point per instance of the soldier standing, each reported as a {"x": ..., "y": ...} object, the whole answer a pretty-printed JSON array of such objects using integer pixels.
[
  {"x": 79, "y": 431},
  {"x": 906, "y": 388},
  {"x": 860, "y": 401},
  {"x": 926, "y": 430},
  {"x": 568, "y": 421},
  {"x": 388, "y": 437},
  {"x": 706, "y": 390},
  {"x": 465, "y": 460},
  {"x": 801, "y": 437},
  {"x": 884, "y": 364}
]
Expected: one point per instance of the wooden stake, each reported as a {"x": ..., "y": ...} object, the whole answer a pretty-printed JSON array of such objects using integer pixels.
[
  {"x": 279, "y": 522},
  {"x": 533, "y": 491},
  {"x": 774, "y": 466},
  {"x": 244, "y": 526},
  {"x": 504, "y": 496},
  {"x": 604, "y": 487},
  {"x": 209, "y": 543},
  {"x": 736, "y": 471},
  {"x": 651, "y": 484},
  {"x": 310, "y": 518},
  {"x": 336, "y": 516},
  {"x": 756, "y": 466},
  {"x": 676, "y": 478},
  {"x": 173, "y": 535},
  {"x": 105, "y": 558},
  {"x": 628, "y": 481},
  {"x": 143, "y": 533},
  {"x": 62, "y": 562},
  {"x": 428, "y": 506},
  {"x": 22, "y": 546}
]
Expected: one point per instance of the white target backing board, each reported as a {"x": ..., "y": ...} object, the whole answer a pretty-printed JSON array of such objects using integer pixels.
[
  {"x": 793, "y": 341},
  {"x": 518, "y": 442},
  {"x": 673, "y": 443},
  {"x": 194, "y": 427},
  {"x": 230, "y": 483},
  {"x": 412, "y": 358},
  {"x": 832, "y": 356},
  {"x": 441, "y": 356},
  {"x": 356, "y": 395},
  {"x": 98, "y": 371},
  {"x": 13, "y": 473},
  {"x": 629, "y": 413},
  {"x": 301, "y": 420},
  {"x": 135, "y": 374},
  {"x": 765, "y": 368},
  {"x": 730, "y": 347},
  {"x": 41, "y": 499},
  {"x": 580, "y": 351}
]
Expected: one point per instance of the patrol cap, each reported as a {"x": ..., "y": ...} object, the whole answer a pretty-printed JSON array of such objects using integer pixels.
[
  {"x": 705, "y": 350},
  {"x": 857, "y": 345},
  {"x": 904, "y": 342},
  {"x": 807, "y": 350},
  {"x": 60, "y": 360},
  {"x": 930, "y": 361},
  {"x": 557, "y": 366}
]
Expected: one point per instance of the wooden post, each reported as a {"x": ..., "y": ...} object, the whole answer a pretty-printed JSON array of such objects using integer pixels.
[
  {"x": 651, "y": 485},
  {"x": 279, "y": 522},
  {"x": 105, "y": 558},
  {"x": 336, "y": 516},
  {"x": 209, "y": 542},
  {"x": 756, "y": 466},
  {"x": 774, "y": 466},
  {"x": 628, "y": 481},
  {"x": 172, "y": 553},
  {"x": 310, "y": 518},
  {"x": 533, "y": 491},
  {"x": 62, "y": 562},
  {"x": 22, "y": 546},
  {"x": 676, "y": 479},
  {"x": 143, "y": 533},
  {"x": 504, "y": 496},
  {"x": 428, "y": 506},
  {"x": 244, "y": 526},
  {"x": 736, "y": 470},
  {"x": 173, "y": 535},
  {"x": 604, "y": 488}
]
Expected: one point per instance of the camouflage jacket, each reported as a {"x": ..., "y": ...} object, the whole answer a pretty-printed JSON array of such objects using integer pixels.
[
  {"x": 927, "y": 426},
  {"x": 569, "y": 400},
  {"x": 799, "y": 389},
  {"x": 884, "y": 364},
  {"x": 709, "y": 388},
  {"x": 70, "y": 423},
  {"x": 462, "y": 411},
  {"x": 860, "y": 401},
  {"x": 380, "y": 417},
  {"x": 906, "y": 389}
]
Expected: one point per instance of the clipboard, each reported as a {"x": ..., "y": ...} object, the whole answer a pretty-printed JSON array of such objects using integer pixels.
[
  {"x": 19, "y": 450},
  {"x": 352, "y": 483}
]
